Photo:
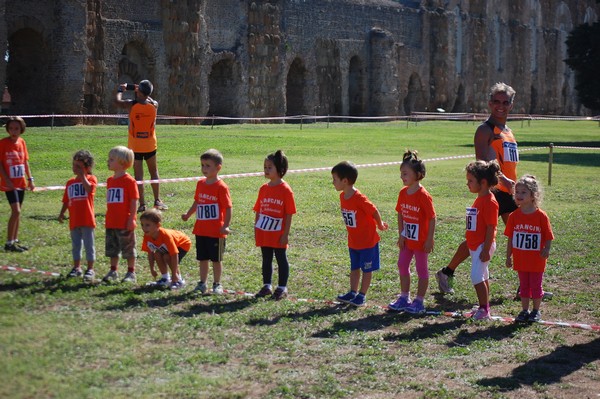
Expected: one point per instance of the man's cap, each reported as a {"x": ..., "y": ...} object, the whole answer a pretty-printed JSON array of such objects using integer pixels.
[{"x": 145, "y": 87}]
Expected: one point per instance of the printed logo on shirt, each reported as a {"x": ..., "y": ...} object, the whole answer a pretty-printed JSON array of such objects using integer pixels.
[
  {"x": 268, "y": 223},
  {"x": 511, "y": 153},
  {"x": 76, "y": 191},
  {"x": 207, "y": 212},
  {"x": 527, "y": 241},
  {"x": 349, "y": 218},
  {"x": 17, "y": 171},
  {"x": 115, "y": 195},
  {"x": 471, "y": 219},
  {"x": 142, "y": 135},
  {"x": 411, "y": 231}
]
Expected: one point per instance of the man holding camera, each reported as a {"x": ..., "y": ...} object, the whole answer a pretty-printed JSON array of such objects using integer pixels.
[{"x": 142, "y": 137}]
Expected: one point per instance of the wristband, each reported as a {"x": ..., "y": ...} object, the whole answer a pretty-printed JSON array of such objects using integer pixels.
[{"x": 30, "y": 179}]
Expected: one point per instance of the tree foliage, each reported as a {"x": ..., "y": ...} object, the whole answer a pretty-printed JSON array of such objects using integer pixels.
[{"x": 583, "y": 49}]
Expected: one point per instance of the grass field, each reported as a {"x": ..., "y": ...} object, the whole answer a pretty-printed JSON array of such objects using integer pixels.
[{"x": 63, "y": 338}]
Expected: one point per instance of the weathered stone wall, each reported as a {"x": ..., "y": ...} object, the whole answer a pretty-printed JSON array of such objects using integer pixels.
[{"x": 258, "y": 58}]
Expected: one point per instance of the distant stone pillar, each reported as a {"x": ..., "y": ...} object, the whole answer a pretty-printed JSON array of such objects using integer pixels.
[{"x": 383, "y": 74}]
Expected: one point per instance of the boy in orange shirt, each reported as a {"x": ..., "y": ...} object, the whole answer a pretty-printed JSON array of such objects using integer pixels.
[
  {"x": 212, "y": 206},
  {"x": 166, "y": 247},
  {"x": 78, "y": 199},
  {"x": 121, "y": 200},
  {"x": 362, "y": 220}
]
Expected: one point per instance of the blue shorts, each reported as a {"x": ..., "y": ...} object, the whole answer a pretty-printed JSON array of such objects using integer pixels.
[{"x": 365, "y": 259}]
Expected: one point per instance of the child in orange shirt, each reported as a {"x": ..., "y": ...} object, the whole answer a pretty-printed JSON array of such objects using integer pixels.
[
  {"x": 274, "y": 208},
  {"x": 121, "y": 200},
  {"x": 362, "y": 220},
  {"x": 529, "y": 239},
  {"x": 78, "y": 199},
  {"x": 212, "y": 206},
  {"x": 416, "y": 228},
  {"x": 14, "y": 168},
  {"x": 166, "y": 247},
  {"x": 481, "y": 222}
]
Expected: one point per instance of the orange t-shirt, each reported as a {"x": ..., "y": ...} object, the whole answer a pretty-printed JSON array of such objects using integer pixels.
[
  {"x": 142, "y": 121},
  {"x": 417, "y": 211},
  {"x": 480, "y": 215},
  {"x": 507, "y": 153},
  {"x": 168, "y": 242},
  {"x": 13, "y": 157},
  {"x": 80, "y": 203},
  {"x": 119, "y": 194},
  {"x": 212, "y": 200},
  {"x": 272, "y": 205},
  {"x": 357, "y": 212},
  {"x": 528, "y": 233}
]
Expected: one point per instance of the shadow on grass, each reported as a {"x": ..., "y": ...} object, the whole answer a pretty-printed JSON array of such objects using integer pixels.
[
  {"x": 548, "y": 369},
  {"x": 297, "y": 316},
  {"x": 428, "y": 330},
  {"x": 369, "y": 323},
  {"x": 493, "y": 332},
  {"x": 216, "y": 307}
]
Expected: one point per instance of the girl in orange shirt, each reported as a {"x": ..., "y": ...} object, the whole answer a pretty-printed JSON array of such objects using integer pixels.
[
  {"x": 481, "y": 223},
  {"x": 529, "y": 239},
  {"x": 274, "y": 208}
]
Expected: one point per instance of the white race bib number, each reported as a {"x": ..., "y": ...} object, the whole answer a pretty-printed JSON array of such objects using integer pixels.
[
  {"x": 411, "y": 231},
  {"x": 471, "y": 219},
  {"x": 17, "y": 171},
  {"x": 268, "y": 223},
  {"x": 527, "y": 241},
  {"x": 76, "y": 191},
  {"x": 162, "y": 249},
  {"x": 207, "y": 212},
  {"x": 115, "y": 195},
  {"x": 511, "y": 153},
  {"x": 349, "y": 218}
]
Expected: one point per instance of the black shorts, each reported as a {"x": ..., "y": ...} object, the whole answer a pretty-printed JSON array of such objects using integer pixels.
[
  {"x": 143, "y": 156},
  {"x": 181, "y": 254},
  {"x": 210, "y": 248},
  {"x": 506, "y": 201},
  {"x": 15, "y": 196}
]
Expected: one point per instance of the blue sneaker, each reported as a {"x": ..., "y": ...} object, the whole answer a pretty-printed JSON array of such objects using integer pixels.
[
  {"x": 347, "y": 297},
  {"x": 400, "y": 304},
  {"x": 359, "y": 300},
  {"x": 416, "y": 307}
]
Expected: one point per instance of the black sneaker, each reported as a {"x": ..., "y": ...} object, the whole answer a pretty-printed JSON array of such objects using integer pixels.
[
  {"x": 264, "y": 291},
  {"x": 13, "y": 248},
  {"x": 75, "y": 272},
  {"x": 522, "y": 317},
  {"x": 534, "y": 316},
  {"x": 279, "y": 294}
]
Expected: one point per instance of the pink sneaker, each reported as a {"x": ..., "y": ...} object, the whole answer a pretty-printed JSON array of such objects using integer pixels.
[{"x": 481, "y": 314}]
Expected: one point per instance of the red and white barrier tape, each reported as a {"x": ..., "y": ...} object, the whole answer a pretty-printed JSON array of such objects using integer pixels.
[
  {"x": 305, "y": 170},
  {"x": 23, "y": 270}
]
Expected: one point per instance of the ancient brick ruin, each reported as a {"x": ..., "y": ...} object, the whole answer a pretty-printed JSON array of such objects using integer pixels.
[{"x": 258, "y": 58}]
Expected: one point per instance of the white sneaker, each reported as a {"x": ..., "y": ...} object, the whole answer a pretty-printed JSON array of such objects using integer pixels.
[
  {"x": 201, "y": 287},
  {"x": 217, "y": 289}
]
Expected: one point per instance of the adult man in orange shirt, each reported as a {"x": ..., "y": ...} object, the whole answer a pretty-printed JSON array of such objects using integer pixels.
[{"x": 142, "y": 136}]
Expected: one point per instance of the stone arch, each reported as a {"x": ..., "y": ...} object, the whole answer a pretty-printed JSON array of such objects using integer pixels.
[
  {"x": 415, "y": 99},
  {"x": 224, "y": 88},
  {"x": 136, "y": 63},
  {"x": 295, "y": 84},
  {"x": 27, "y": 72},
  {"x": 356, "y": 88}
]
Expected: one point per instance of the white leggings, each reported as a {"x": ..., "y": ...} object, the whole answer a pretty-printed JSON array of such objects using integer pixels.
[{"x": 479, "y": 269}]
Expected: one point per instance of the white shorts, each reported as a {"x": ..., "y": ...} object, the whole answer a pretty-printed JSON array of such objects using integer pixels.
[{"x": 479, "y": 269}]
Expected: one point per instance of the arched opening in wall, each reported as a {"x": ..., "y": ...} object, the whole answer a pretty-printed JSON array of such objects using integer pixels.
[
  {"x": 356, "y": 88},
  {"x": 460, "y": 102},
  {"x": 135, "y": 65},
  {"x": 415, "y": 99},
  {"x": 223, "y": 89},
  {"x": 534, "y": 100},
  {"x": 294, "y": 94},
  {"x": 27, "y": 74}
]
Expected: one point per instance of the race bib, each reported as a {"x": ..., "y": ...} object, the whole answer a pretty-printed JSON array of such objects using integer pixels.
[
  {"x": 511, "y": 153},
  {"x": 76, "y": 191},
  {"x": 411, "y": 231},
  {"x": 115, "y": 195},
  {"x": 162, "y": 249},
  {"x": 207, "y": 212},
  {"x": 527, "y": 241},
  {"x": 471, "y": 219},
  {"x": 349, "y": 218},
  {"x": 16, "y": 171},
  {"x": 268, "y": 223}
]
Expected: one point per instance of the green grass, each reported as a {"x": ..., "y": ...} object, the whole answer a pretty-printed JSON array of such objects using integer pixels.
[{"x": 63, "y": 338}]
